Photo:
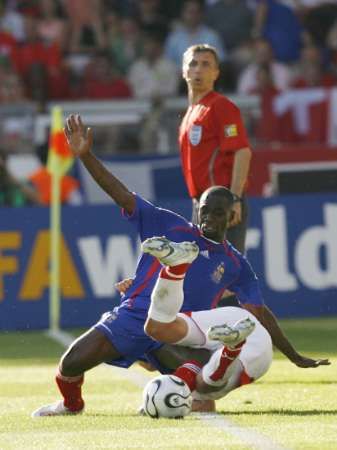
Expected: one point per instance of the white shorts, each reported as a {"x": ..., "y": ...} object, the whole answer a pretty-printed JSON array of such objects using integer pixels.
[{"x": 256, "y": 354}]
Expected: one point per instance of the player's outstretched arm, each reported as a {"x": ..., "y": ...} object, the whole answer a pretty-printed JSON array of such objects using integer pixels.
[
  {"x": 269, "y": 321},
  {"x": 80, "y": 139}
]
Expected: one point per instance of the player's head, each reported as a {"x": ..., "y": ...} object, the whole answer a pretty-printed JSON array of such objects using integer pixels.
[
  {"x": 201, "y": 67},
  {"x": 192, "y": 12},
  {"x": 215, "y": 212}
]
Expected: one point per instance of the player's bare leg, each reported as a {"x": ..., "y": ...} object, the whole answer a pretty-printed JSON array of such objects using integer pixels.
[
  {"x": 167, "y": 295},
  {"x": 86, "y": 352},
  {"x": 166, "y": 301}
]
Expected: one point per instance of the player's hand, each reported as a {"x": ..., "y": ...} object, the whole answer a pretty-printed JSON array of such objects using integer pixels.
[
  {"x": 78, "y": 136},
  {"x": 236, "y": 214},
  {"x": 123, "y": 286},
  {"x": 305, "y": 363}
]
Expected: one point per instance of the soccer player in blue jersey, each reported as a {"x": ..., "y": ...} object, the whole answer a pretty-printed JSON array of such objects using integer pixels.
[{"x": 119, "y": 337}]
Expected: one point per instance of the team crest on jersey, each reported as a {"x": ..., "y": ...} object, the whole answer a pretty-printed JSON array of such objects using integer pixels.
[
  {"x": 231, "y": 130},
  {"x": 218, "y": 273},
  {"x": 195, "y": 134}
]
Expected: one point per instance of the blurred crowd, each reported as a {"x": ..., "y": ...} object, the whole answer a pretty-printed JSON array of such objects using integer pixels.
[
  {"x": 106, "y": 49},
  {"x": 132, "y": 49}
]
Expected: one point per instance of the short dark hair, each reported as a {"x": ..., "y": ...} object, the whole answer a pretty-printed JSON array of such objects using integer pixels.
[
  {"x": 220, "y": 191},
  {"x": 202, "y": 48}
]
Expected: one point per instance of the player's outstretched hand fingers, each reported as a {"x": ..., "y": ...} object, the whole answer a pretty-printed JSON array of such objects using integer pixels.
[
  {"x": 66, "y": 132},
  {"x": 307, "y": 363},
  {"x": 89, "y": 136},
  {"x": 322, "y": 362},
  {"x": 68, "y": 126},
  {"x": 79, "y": 121},
  {"x": 73, "y": 123}
]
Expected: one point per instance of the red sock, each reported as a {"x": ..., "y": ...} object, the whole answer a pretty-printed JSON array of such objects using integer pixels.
[
  {"x": 245, "y": 378},
  {"x": 175, "y": 272},
  {"x": 71, "y": 389},
  {"x": 188, "y": 372},
  {"x": 227, "y": 357},
  {"x": 233, "y": 352}
]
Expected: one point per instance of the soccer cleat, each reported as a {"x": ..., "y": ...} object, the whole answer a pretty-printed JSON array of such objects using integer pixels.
[
  {"x": 170, "y": 253},
  {"x": 54, "y": 409},
  {"x": 232, "y": 336}
]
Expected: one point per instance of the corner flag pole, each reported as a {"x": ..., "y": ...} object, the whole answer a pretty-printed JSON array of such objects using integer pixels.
[
  {"x": 55, "y": 232},
  {"x": 60, "y": 160}
]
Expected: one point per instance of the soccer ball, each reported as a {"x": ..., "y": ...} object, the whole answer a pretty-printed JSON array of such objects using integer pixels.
[{"x": 167, "y": 396}]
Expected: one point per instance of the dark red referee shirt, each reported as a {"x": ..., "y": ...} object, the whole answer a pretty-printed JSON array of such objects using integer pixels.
[{"x": 209, "y": 135}]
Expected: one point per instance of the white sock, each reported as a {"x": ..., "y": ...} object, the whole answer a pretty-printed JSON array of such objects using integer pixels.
[
  {"x": 166, "y": 300},
  {"x": 212, "y": 366}
]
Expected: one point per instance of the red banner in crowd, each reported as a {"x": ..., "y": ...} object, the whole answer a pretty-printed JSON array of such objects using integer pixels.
[{"x": 299, "y": 116}]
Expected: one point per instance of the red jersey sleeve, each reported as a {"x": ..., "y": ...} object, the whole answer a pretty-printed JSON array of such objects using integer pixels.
[{"x": 229, "y": 125}]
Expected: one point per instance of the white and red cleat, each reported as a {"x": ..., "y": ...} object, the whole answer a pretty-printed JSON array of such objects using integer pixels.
[
  {"x": 55, "y": 409},
  {"x": 170, "y": 253},
  {"x": 232, "y": 335}
]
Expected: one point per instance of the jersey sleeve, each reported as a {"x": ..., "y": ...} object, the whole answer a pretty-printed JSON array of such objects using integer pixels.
[
  {"x": 229, "y": 126},
  {"x": 247, "y": 286},
  {"x": 150, "y": 220}
]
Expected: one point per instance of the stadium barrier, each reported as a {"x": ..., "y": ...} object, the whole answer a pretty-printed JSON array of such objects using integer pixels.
[
  {"x": 291, "y": 245},
  {"x": 153, "y": 175}
]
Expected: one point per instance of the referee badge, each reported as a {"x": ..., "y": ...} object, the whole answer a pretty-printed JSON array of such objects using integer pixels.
[
  {"x": 231, "y": 130},
  {"x": 195, "y": 134}
]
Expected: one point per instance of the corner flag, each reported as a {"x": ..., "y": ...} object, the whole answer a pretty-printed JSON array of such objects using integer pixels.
[
  {"x": 60, "y": 157},
  {"x": 59, "y": 161}
]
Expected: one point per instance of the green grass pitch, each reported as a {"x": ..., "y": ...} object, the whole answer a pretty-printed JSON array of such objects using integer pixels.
[{"x": 294, "y": 408}]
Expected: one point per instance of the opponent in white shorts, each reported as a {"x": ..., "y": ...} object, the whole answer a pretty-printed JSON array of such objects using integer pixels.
[
  {"x": 241, "y": 347},
  {"x": 241, "y": 352}
]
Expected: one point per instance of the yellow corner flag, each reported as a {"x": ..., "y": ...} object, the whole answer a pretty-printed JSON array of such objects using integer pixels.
[
  {"x": 59, "y": 162},
  {"x": 60, "y": 157}
]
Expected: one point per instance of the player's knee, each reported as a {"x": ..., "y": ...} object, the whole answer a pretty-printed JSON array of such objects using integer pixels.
[
  {"x": 155, "y": 330},
  {"x": 71, "y": 363},
  {"x": 201, "y": 386}
]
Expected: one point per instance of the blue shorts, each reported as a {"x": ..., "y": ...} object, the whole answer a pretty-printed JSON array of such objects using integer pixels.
[{"x": 124, "y": 328}]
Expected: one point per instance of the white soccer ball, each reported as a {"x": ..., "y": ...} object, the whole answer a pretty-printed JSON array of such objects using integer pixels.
[{"x": 167, "y": 396}]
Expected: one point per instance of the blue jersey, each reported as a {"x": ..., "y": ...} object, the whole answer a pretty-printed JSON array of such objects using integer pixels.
[{"x": 218, "y": 267}]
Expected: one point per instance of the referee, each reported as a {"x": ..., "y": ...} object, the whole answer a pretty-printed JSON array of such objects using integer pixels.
[{"x": 213, "y": 142}]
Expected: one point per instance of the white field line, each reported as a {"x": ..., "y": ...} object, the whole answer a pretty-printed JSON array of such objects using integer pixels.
[
  {"x": 256, "y": 440},
  {"x": 61, "y": 337},
  {"x": 247, "y": 435}
]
